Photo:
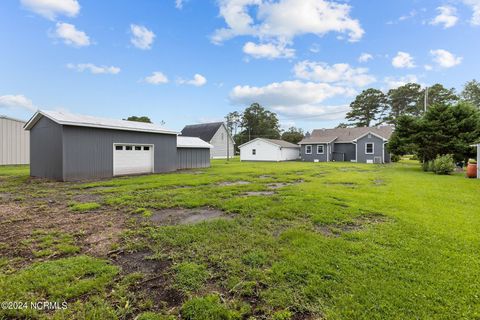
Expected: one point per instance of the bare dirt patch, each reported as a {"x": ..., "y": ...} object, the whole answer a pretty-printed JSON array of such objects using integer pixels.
[
  {"x": 279, "y": 185},
  {"x": 343, "y": 183},
  {"x": 359, "y": 223},
  {"x": 156, "y": 283},
  {"x": 258, "y": 193},
  {"x": 232, "y": 183},
  {"x": 87, "y": 197},
  {"x": 97, "y": 231},
  {"x": 186, "y": 216}
]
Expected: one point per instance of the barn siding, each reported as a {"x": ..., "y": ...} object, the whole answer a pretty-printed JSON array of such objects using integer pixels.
[
  {"x": 219, "y": 142},
  {"x": 88, "y": 152},
  {"x": 46, "y": 149},
  {"x": 14, "y": 142},
  {"x": 190, "y": 158}
]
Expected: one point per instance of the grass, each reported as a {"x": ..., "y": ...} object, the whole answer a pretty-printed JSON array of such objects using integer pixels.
[
  {"x": 338, "y": 240},
  {"x": 84, "y": 207}
]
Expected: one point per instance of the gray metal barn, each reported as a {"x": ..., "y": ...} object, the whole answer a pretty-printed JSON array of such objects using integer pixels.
[
  {"x": 192, "y": 152},
  {"x": 70, "y": 147},
  {"x": 14, "y": 142}
]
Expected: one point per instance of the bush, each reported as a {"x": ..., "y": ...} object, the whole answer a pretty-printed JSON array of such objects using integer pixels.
[
  {"x": 472, "y": 161},
  {"x": 426, "y": 166},
  {"x": 444, "y": 164},
  {"x": 395, "y": 158},
  {"x": 414, "y": 157}
]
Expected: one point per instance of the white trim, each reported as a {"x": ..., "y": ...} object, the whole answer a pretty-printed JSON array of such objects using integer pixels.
[
  {"x": 152, "y": 146},
  {"x": 328, "y": 153},
  {"x": 373, "y": 148},
  {"x": 323, "y": 149},
  {"x": 311, "y": 149},
  {"x": 369, "y": 132}
]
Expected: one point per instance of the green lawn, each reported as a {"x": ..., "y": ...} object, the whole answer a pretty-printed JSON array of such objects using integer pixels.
[{"x": 294, "y": 241}]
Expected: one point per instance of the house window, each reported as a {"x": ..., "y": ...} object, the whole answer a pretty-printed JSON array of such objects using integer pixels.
[
  {"x": 308, "y": 149},
  {"x": 254, "y": 152},
  {"x": 128, "y": 148},
  {"x": 138, "y": 148},
  {"x": 369, "y": 148},
  {"x": 146, "y": 148},
  {"x": 320, "y": 149},
  {"x": 118, "y": 147}
]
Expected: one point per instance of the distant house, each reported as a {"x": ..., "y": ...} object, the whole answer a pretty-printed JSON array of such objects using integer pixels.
[
  {"x": 215, "y": 134},
  {"x": 364, "y": 144},
  {"x": 14, "y": 142},
  {"x": 262, "y": 149}
]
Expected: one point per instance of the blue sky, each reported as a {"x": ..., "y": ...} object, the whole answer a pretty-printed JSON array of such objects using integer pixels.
[{"x": 194, "y": 61}]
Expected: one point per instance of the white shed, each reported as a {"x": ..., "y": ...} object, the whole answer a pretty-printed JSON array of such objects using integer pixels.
[
  {"x": 14, "y": 142},
  {"x": 262, "y": 149}
]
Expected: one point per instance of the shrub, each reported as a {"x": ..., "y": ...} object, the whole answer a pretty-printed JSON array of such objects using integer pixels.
[
  {"x": 444, "y": 164},
  {"x": 431, "y": 166},
  {"x": 426, "y": 166},
  {"x": 472, "y": 161},
  {"x": 206, "y": 308},
  {"x": 395, "y": 158}
]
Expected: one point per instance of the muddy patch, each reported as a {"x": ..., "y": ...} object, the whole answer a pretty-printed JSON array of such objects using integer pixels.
[
  {"x": 186, "y": 216},
  {"x": 87, "y": 197},
  {"x": 258, "y": 193},
  {"x": 156, "y": 282},
  {"x": 232, "y": 183},
  {"x": 279, "y": 185},
  {"x": 357, "y": 224},
  {"x": 343, "y": 184}
]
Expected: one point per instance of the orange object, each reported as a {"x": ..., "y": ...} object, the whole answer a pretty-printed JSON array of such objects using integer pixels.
[{"x": 472, "y": 170}]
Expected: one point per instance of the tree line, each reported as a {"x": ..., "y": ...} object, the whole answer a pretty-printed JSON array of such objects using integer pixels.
[{"x": 374, "y": 107}]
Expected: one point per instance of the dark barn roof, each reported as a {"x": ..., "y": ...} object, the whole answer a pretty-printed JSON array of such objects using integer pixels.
[{"x": 204, "y": 131}]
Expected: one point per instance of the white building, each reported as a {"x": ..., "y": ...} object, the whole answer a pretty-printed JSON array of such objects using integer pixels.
[
  {"x": 215, "y": 134},
  {"x": 14, "y": 142},
  {"x": 262, "y": 149}
]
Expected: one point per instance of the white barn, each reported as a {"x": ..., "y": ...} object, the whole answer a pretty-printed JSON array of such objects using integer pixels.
[
  {"x": 14, "y": 142},
  {"x": 262, "y": 149}
]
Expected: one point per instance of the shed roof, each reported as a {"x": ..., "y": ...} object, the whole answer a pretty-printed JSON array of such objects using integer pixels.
[
  {"x": 204, "y": 131},
  {"x": 10, "y": 118},
  {"x": 70, "y": 119},
  {"x": 280, "y": 143},
  {"x": 346, "y": 135},
  {"x": 192, "y": 142}
]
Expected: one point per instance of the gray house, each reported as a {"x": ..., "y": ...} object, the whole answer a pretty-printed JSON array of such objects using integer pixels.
[
  {"x": 192, "y": 152},
  {"x": 14, "y": 142},
  {"x": 364, "y": 144},
  {"x": 68, "y": 147},
  {"x": 215, "y": 134}
]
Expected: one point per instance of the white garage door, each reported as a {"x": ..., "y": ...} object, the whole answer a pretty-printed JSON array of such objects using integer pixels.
[{"x": 132, "y": 159}]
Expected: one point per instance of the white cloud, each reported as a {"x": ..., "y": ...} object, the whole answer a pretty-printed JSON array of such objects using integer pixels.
[
  {"x": 288, "y": 93},
  {"x": 403, "y": 60},
  {"x": 475, "y": 5},
  {"x": 71, "y": 36},
  {"x": 81, "y": 67},
  {"x": 285, "y": 19},
  {"x": 314, "y": 112},
  {"x": 428, "y": 67},
  {"x": 142, "y": 38},
  {"x": 393, "y": 83},
  {"x": 365, "y": 57},
  {"x": 268, "y": 50},
  {"x": 156, "y": 78},
  {"x": 197, "y": 81},
  {"x": 50, "y": 9},
  {"x": 445, "y": 59},
  {"x": 340, "y": 73},
  {"x": 447, "y": 16},
  {"x": 179, "y": 4},
  {"x": 18, "y": 101}
]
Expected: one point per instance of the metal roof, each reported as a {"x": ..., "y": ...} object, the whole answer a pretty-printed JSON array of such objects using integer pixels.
[
  {"x": 10, "y": 118},
  {"x": 192, "y": 142},
  {"x": 280, "y": 143},
  {"x": 204, "y": 131},
  {"x": 70, "y": 119},
  {"x": 346, "y": 135}
]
